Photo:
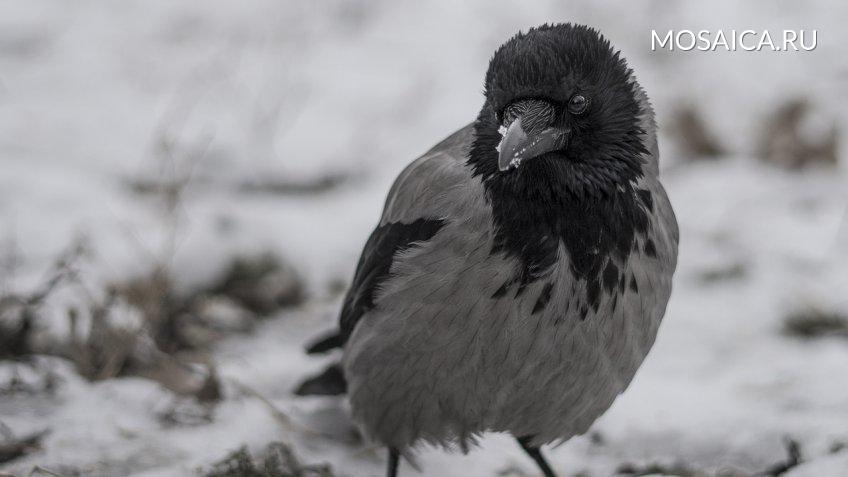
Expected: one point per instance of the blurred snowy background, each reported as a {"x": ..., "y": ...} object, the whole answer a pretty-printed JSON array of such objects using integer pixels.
[{"x": 185, "y": 188}]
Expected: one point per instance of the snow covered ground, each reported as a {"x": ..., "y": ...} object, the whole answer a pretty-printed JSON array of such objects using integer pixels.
[{"x": 98, "y": 96}]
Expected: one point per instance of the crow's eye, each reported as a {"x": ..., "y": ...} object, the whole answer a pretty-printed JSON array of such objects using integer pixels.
[{"x": 577, "y": 104}]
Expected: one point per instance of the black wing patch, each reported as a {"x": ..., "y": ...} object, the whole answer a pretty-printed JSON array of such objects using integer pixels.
[{"x": 374, "y": 265}]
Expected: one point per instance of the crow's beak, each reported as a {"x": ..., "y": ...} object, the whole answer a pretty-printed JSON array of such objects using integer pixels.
[{"x": 517, "y": 145}]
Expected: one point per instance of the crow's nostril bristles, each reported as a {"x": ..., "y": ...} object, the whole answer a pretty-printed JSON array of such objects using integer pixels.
[{"x": 536, "y": 115}]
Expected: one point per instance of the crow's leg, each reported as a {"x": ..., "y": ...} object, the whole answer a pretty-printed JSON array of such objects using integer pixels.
[
  {"x": 391, "y": 471},
  {"x": 537, "y": 456}
]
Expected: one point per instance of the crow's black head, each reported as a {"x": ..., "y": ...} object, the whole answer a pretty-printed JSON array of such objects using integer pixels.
[
  {"x": 561, "y": 115},
  {"x": 559, "y": 146}
]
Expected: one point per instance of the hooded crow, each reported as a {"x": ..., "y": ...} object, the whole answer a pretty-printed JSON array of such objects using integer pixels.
[{"x": 521, "y": 267}]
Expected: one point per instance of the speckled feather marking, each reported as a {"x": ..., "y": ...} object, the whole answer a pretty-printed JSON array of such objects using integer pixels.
[
  {"x": 442, "y": 359},
  {"x": 526, "y": 324}
]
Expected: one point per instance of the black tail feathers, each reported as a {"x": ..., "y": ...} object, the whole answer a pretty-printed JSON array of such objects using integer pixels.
[
  {"x": 332, "y": 381},
  {"x": 329, "y": 383},
  {"x": 326, "y": 343}
]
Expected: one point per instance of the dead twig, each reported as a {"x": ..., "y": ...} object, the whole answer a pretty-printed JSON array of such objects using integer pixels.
[
  {"x": 38, "y": 470},
  {"x": 282, "y": 418},
  {"x": 19, "y": 312}
]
